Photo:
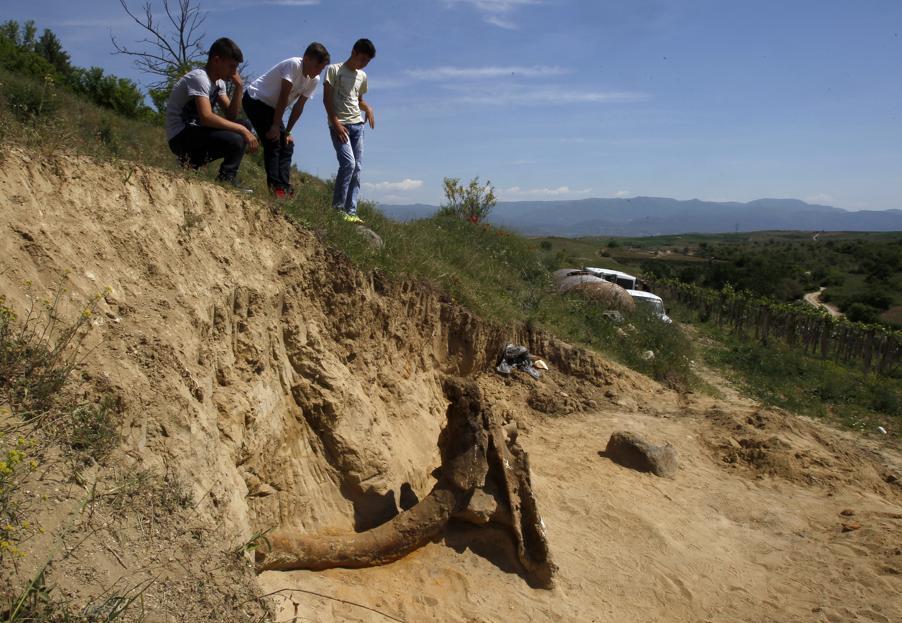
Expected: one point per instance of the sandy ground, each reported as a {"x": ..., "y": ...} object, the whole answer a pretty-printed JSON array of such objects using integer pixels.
[{"x": 713, "y": 544}]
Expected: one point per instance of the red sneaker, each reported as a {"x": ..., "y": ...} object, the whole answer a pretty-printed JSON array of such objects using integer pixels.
[{"x": 279, "y": 193}]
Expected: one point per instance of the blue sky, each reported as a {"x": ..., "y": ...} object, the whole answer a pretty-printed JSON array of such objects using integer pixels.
[{"x": 567, "y": 99}]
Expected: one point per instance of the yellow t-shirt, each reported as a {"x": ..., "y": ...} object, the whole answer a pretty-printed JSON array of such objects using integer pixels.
[{"x": 347, "y": 87}]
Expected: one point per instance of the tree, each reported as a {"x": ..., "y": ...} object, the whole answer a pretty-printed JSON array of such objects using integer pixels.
[
  {"x": 49, "y": 47},
  {"x": 472, "y": 202},
  {"x": 168, "y": 50}
]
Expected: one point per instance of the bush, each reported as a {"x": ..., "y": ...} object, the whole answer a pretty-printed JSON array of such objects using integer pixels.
[
  {"x": 30, "y": 101},
  {"x": 118, "y": 94},
  {"x": 862, "y": 312},
  {"x": 472, "y": 202}
]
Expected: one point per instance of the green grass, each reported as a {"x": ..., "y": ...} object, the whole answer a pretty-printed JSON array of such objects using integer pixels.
[{"x": 783, "y": 377}]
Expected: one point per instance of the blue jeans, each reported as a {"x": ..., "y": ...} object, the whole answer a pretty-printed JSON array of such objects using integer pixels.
[{"x": 350, "y": 156}]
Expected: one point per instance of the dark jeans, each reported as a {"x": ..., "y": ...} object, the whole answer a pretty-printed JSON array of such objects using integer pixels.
[
  {"x": 195, "y": 146},
  {"x": 276, "y": 153}
]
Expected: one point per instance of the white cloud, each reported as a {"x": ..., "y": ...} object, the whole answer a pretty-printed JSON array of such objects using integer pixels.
[
  {"x": 623, "y": 194},
  {"x": 500, "y": 22},
  {"x": 495, "y": 12},
  {"x": 491, "y": 71},
  {"x": 560, "y": 191},
  {"x": 495, "y": 6},
  {"x": 822, "y": 198},
  {"x": 402, "y": 186},
  {"x": 525, "y": 95},
  {"x": 231, "y": 5}
]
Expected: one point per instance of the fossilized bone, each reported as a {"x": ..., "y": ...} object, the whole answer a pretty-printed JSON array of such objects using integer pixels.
[{"x": 481, "y": 459}]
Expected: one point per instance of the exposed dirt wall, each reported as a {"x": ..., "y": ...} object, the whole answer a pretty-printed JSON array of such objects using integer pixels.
[{"x": 286, "y": 386}]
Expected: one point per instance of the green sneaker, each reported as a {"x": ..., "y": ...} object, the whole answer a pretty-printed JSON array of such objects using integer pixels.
[{"x": 352, "y": 218}]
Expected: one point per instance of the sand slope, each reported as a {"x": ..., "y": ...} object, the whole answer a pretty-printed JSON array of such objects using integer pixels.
[{"x": 287, "y": 388}]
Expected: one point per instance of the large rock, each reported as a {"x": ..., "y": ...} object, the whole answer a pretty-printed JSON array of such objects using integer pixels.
[{"x": 630, "y": 450}]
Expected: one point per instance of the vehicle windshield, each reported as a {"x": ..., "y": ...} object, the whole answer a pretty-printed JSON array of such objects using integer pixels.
[{"x": 657, "y": 307}]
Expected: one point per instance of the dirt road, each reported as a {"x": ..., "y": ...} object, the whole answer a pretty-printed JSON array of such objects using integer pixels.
[{"x": 814, "y": 299}]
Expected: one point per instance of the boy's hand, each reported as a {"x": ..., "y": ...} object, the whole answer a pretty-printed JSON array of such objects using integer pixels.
[
  {"x": 342, "y": 133},
  {"x": 371, "y": 118},
  {"x": 289, "y": 140},
  {"x": 251, "y": 140},
  {"x": 236, "y": 79},
  {"x": 273, "y": 132}
]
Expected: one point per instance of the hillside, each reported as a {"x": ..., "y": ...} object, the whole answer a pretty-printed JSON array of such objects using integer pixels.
[
  {"x": 259, "y": 379},
  {"x": 651, "y": 216}
]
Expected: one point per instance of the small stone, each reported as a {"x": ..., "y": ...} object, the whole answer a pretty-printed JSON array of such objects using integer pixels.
[
  {"x": 481, "y": 508},
  {"x": 264, "y": 490},
  {"x": 630, "y": 450},
  {"x": 847, "y": 512},
  {"x": 851, "y": 526},
  {"x": 372, "y": 238}
]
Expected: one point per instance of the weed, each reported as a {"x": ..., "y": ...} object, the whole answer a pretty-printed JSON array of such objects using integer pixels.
[
  {"x": 90, "y": 428},
  {"x": 38, "y": 354},
  {"x": 37, "y": 603},
  {"x": 143, "y": 487},
  {"x": 31, "y": 101},
  {"x": 257, "y": 538},
  {"x": 16, "y": 462}
]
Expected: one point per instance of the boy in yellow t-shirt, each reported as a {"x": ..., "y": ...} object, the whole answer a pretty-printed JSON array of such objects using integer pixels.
[{"x": 343, "y": 92}]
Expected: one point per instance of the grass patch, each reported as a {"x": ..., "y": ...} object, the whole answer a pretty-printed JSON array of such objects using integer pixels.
[{"x": 787, "y": 378}]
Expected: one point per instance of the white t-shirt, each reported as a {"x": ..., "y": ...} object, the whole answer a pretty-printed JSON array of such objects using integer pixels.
[
  {"x": 181, "y": 109},
  {"x": 267, "y": 87}
]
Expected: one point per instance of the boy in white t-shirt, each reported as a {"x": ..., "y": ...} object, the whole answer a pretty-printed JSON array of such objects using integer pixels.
[
  {"x": 343, "y": 92},
  {"x": 293, "y": 80}
]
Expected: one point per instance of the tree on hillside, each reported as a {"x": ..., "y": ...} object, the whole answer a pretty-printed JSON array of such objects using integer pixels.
[
  {"x": 472, "y": 202},
  {"x": 50, "y": 47},
  {"x": 44, "y": 58},
  {"x": 172, "y": 45}
]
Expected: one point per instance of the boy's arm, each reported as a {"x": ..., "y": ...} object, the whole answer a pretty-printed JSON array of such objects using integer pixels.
[
  {"x": 233, "y": 105},
  {"x": 211, "y": 120},
  {"x": 330, "y": 113},
  {"x": 285, "y": 90},
  {"x": 296, "y": 111},
  {"x": 368, "y": 110}
]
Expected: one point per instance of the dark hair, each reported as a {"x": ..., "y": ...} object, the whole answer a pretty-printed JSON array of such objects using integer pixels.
[
  {"x": 225, "y": 48},
  {"x": 318, "y": 52},
  {"x": 365, "y": 46}
]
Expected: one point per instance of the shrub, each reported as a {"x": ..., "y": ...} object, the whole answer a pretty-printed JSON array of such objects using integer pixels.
[
  {"x": 30, "y": 101},
  {"x": 472, "y": 202}
]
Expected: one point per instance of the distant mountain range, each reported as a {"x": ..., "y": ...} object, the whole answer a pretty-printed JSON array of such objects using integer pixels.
[{"x": 649, "y": 216}]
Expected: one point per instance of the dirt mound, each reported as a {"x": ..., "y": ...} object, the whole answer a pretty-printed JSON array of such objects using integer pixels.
[{"x": 771, "y": 442}]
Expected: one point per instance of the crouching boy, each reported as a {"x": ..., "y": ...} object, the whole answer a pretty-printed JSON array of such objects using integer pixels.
[
  {"x": 293, "y": 80},
  {"x": 195, "y": 133},
  {"x": 343, "y": 97}
]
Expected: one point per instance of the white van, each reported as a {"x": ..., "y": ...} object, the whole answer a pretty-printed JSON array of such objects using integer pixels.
[
  {"x": 624, "y": 280},
  {"x": 652, "y": 302}
]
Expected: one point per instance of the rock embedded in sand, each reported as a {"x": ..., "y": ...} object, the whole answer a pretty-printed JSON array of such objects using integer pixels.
[{"x": 630, "y": 450}]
